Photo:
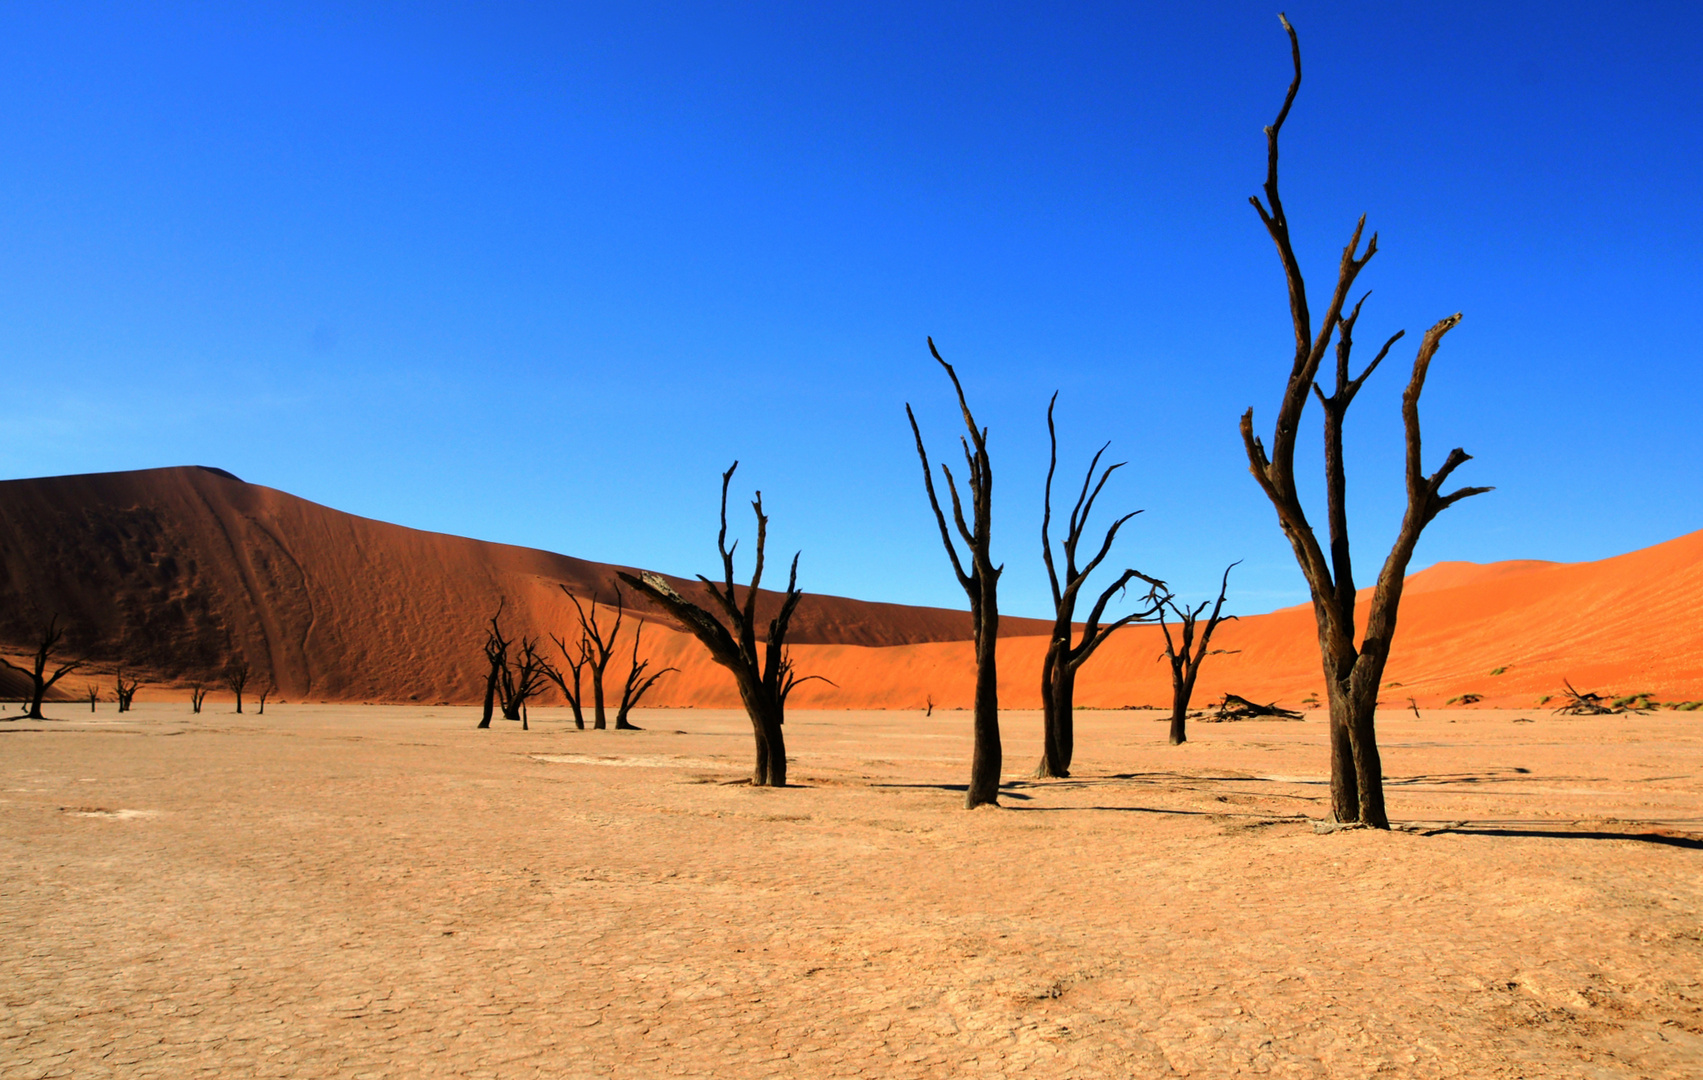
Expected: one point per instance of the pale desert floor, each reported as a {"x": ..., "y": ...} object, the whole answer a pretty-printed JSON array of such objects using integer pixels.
[{"x": 333, "y": 891}]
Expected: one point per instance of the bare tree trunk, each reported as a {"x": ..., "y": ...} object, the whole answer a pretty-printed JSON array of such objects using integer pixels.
[
  {"x": 1065, "y": 655},
  {"x": 980, "y": 584},
  {"x": 40, "y": 681},
  {"x": 1186, "y": 659},
  {"x": 764, "y": 681},
  {"x": 497, "y": 663},
  {"x": 1352, "y": 673}
]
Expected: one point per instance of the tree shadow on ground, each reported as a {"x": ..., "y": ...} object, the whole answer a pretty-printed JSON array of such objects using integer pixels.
[{"x": 1665, "y": 839}]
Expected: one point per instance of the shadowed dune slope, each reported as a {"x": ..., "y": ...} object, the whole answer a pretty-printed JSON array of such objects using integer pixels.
[{"x": 169, "y": 571}]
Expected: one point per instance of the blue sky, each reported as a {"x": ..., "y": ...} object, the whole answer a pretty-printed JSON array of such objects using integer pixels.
[{"x": 537, "y": 273}]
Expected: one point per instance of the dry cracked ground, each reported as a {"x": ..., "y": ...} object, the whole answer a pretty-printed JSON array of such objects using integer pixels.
[{"x": 334, "y": 891}]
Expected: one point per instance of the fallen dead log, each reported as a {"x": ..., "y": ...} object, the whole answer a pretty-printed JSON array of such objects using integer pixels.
[
  {"x": 1237, "y": 707},
  {"x": 1585, "y": 704}
]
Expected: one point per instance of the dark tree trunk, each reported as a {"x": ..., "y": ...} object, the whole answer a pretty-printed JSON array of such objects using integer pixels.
[
  {"x": 599, "y": 720},
  {"x": 1181, "y": 691},
  {"x": 40, "y": 681},
  {"x": 490, "y": 698},
  {"x": 987, "y": 758},
  {"x": 764, "y": 680},
  {"x": 980, "y": 585},
  {"x": 1352, "y": 672},
  {"x": 1186, "y": 656},
  {"x": 1065, "y": 656}
]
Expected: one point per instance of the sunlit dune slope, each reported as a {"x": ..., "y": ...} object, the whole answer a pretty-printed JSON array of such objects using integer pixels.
[{"x": 169, "y": 571}]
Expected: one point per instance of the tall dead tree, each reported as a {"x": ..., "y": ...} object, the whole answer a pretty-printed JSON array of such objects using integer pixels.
[
  {"x": 638, "y": 684},
  {"x": 575, "y": 661},
  {"x": 496, "y": 661},
  {"x": 761, "y": 679},
  {"x": 236, "y": 677},
  {"x": 1352, "y": 675},
  {"x": 41, "y": 683},
  {"x": 1186, "y": 655},
  {"x": 523, "y": 681},
  {"x": 980, "y": 584},
  {"x": 125, "y": 691},
  {"x": 1065, "y": 655},
  {"x": 599, "y": 647}
]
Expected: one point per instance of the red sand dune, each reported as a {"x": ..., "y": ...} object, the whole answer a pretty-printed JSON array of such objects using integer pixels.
[{"x": 169, "y": 570}]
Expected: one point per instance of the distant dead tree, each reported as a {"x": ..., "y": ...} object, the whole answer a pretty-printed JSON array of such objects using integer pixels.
[
  {"x": 574, "y": 660},
  {"x": 1063, "y": 657},
  {"x": 125, "y": 691},
  {"x": 599, "y": 646},
  {"x": 41, "y": 683},
  {"x": 764, "y": 681},
  {"x": 1186, "y": 655},
  {"x": 523, "y": 681},
  {"x": 197, "y": 694},
  {"x": 496, "y": 660},
  {"x": 94, "y": 693},
  {"x": 264, "y": 694},
  {"x": 638, "y": 684},
  {"x": 236, "y": 677},
  {"x": 1352, "y": 675},
  {"x": 981, "y": 585}
]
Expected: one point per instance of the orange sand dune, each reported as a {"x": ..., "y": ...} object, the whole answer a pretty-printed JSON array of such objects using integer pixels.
[{"x": 169, "y": 570}]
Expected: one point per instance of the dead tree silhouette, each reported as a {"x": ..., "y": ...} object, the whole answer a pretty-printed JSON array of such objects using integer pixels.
[
  {"x": 94, "y": 693},
  {"x": 638, "y": 684},
  {"x": 264, "y": 694},
  {"x": 523, "y": 681},
  {"x": 764, "y": 682},
  {"x": 1352, "y": 675},
  {"x": 1063, "y": 657},
  {"x": 598, "y": 649},
  {"x": 125, "y": 691},
  {"x": 496, "y": 660},
  {"x": 197, "y": 694},
  {"x": 575, "y": 660},
  {"x": 41, "y": 683},
  {"x": 1186, "y": 655},
  {"x": 236, "y": 677},
  {"x": 981, "y": 585}
]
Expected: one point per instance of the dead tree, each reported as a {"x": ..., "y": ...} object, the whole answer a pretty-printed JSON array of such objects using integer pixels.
[
  {"x": 264, "y": 694},
  {"x": 41, "y": 683},
  {"x": 598, "y": 648},
  {"x": 1352, "y": 675},
  {"x": 236, "y": 678},
  {"x": 733, "y": 644},
  {"x": 523, "y": 681},
  {"x": 1186, "y": 655},
  {"x": 980, "y": 584},
  {"x": 638, "y": 684},
  {"x": 496, "y": 660},
  {"x": 125, "y": 692},
  {"x": 1063, "y": 657},
  {"x": 197, "y": 694},
  {"x": 94, "y": 696},
  {"x": 574, "y": 660}
]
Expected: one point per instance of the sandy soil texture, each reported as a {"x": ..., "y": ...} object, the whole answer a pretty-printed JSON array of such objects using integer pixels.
[{"x": 348, "y": 892}]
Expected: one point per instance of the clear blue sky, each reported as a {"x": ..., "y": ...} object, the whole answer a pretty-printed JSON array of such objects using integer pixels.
[{"x": 537, "y": 273}]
